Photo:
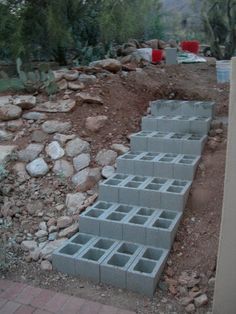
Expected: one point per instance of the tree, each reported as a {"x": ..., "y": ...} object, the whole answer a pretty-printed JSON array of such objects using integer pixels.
[{"x": 219, "y": 18}]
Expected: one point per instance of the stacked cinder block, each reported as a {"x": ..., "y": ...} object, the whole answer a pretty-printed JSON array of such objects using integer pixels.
[{"x": 125, "y": 237}]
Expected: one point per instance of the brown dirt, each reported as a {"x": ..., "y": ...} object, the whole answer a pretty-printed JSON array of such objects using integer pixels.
[{"x": 195, "y": 249}]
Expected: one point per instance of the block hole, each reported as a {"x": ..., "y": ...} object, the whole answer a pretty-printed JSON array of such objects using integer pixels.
[
  {"x": 153, "y": 254},
  {"x": 145, "y": 212},
  {"x": 82, "y": 239},
  {"x": 161, "y": 223},
  {"x": 118, "y": 260},
  {"x": 144, "y": 266},
  {"x": 93, "y": 255},
  {"x": 138, "y": 220},
  {"x": 70, "y": 249},
  {"x": 128, "y": 248},
  {"x": 104, "y": 244},
  {"x": 168, "y": 215}
]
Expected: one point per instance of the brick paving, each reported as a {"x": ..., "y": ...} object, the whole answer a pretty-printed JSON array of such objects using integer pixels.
[{"x": 19, "y": 298}]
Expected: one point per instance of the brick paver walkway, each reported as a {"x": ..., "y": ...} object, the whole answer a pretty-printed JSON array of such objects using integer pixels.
[{"x": 19, "y": 298}]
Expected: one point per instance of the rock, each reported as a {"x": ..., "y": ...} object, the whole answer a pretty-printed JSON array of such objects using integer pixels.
[
  {"x": 19, "y": 170},
  {"x": 54, "y": 150},
  {"x": 94, "y": 124},
  {"x": 213, "y": 145},
  {"x": 120, "y": 149},
  {"x": 75, "y": 86},
  {"x": 89, "y": 99},
  {"x": 84, "y": 180},
  {"x": 88, "y": 79},
  {"x": 82, "y": 161},
  {"x": 10, "y": 112},
  {"x": 219, "y": 131},
  {"x": 108, "y": 171},
  {"x": 30, "y": 152},
  {"x": 52, "y": 236},
  {"x": 215, "y": 124},
  {"x": 6, "y": 152},
  {"x": 71, "y": 75},
  {"x": 201, "y": 300},
  {"x": 69, "y": 232},
  {"x": 34, "y": 208},
  {"x": 74, "y": 202},
  {"x": 63, "y": 168},
  {"x": 111, "y": 65},
  {"x": 53, "y": 126},
  {"x": 76, "y": 147},
  {"x": 63, "y": 105},
  {"x": 5, "y": 136},
  {"x": 62, "y": 84},
  {"x": 34, "y": 255},
  {"x": 43, "y": 226},
  {"x": 5, "y": 100},
  {"x": 37, "y": 168},
  {"x": 63, "y": 138},
  {"x": 24, "y": 102},
  {"x": 64, "y": 222},
  {"x": 41, "y": 234},
  {"x": 186, "y": 301},
  {"x": 28, "y": 245},
  {"x": 190, "y": 308},
  {"x": 34, "y": 116},
  {"x": 39, "y": 136},
  {"x": 59, "y": 74},
  {"x": 14, "y": 125},
  {"x": 50, "y": 247},
  {"x": 106, "y": 157},
  {"x": 46, "y": 266}
]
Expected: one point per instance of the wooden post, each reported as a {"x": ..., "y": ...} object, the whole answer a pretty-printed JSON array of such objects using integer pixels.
[{"x": 225, "y": 288}]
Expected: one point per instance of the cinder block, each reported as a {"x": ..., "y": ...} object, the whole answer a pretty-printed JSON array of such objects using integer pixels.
[
  {"x": 162, "y": 229},
  {"x": 114, "y": 268},
  {"x": 109, "y": 190},
  {"x": 126, "y": 163},
  {"x": 171, "y": 56},
  {"x": 144, "y": 273},
  {"x": 149, "y": 123},
  {"x": 139, "y": 141},
  {"x": 134, "y": 230},
  {"x": 157, "y": 142},
  {"x": 150, "y": 193},
  {"x": 194, "y": 144},
  {"x": 185, "y": 167},
  {"x": 200, "y": 125},
  {"x": 166, "y": 107},
  {"x": 174, "y": 195}
]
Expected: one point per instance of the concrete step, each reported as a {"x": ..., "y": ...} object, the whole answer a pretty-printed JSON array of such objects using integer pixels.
[
  {"x": 144, "y": 191},
  {"x": 120, "y": 263},
  {"x": 177, "y": 124},
  {"x": 176, "y": 166},
  {"x": 152, "y": 227},
  {"x": 178, "y": 143},
  {"x": 183, "y": 108}
]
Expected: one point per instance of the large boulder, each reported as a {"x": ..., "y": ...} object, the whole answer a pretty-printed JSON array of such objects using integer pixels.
[
  {"x": 10, "y": 112},
  {"x": 111, "y": 65},
  {"x": 25, "y": 101},
  {"x": 94, "y": 124},
  {"x": 63, "y": 105}
]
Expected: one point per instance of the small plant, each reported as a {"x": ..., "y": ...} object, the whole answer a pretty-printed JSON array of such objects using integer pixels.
[{"x": 42, "y": 79}]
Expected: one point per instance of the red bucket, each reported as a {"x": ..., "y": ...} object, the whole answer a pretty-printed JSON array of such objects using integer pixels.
[
  {"x": 157, "y": 55},
  {"x": 190, "y": 46}
]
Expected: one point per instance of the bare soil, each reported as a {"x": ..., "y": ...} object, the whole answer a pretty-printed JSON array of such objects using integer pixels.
[{"x": 126, "y": 99}]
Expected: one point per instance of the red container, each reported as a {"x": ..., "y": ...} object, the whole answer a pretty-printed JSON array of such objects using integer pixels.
[
  {"x": 157, "y": 55},
  {"x": 190, "y": 46}
]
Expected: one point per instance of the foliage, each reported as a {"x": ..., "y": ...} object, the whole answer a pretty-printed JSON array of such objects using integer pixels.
[{"x": 219, "y": 18}]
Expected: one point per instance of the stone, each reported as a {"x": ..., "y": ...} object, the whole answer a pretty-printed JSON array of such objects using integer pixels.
[
  {"x": 63, "y": 138},
  {"x": 63, "y": 168},
  {"x": 219, "y": 131},
  {"x": 41, "y": 234},
  {"x": 33, "y": 115},
  {"x": 55, "y": 151},
  {"x": 5, "y": 100},
  {"x": 82, "y": 98},
  {"x": 108, "y": 171},
  {"x": 62, "y": 84},
  {"x": 106, "y": 157},
  {"x": 94, "y": 124},
  {"x": 120, "y": 149},
  {"x": 54, "y": 126},
  {"x": 10, "y": 112},
  {"x": 87, "y": 79},
  {"x": 43, "y": 226},
  {"x": 28, "y": 245},
  {"x": 215, "y": 124},
  {"x": 6, "y": 152},
  {"x": 82, "y": 161},
  {"x": 25, "y": 101},
  {"x": 5, "y": 136},
  {"x": 34, "y": 255},
  {"x": 58, "y": 74},
  {"x": 46, "y": 266},
  {"x": 86, "y": 179},
  {"x": 64, "y": 222},
  {"x": 190, "y": 308},
  {"x": 77, "y": 146},
  {"x": 75, "y": 86},
  {"x": 30, "y": 153},
  {"x": 74, "y": 202},
  {"x": 201, "y": 300},
  {"x": 37, "y": 168},
  {"x": 39, "y": 136},
  {"x": 33, "y": 208},
  {"x": 52, "y": 236},
  {"x": 186, "y": 301},
  {"x": 50, "y": 247},
  {"x": 19, "y": 170},
  {"x": 111, "y": 65},
  {"x": 63, "y": 105},
  {"x": 69, "y": 232},
  {"x": 71, "y": 75},
  {"x": 14, "y": 125}
]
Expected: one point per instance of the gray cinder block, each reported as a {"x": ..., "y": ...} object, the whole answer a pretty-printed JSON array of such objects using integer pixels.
[{"x": 171, "y": 56}]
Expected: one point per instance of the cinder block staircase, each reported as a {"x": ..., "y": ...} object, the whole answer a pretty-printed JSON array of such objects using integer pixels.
[{"x": 125, "y": 237}]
